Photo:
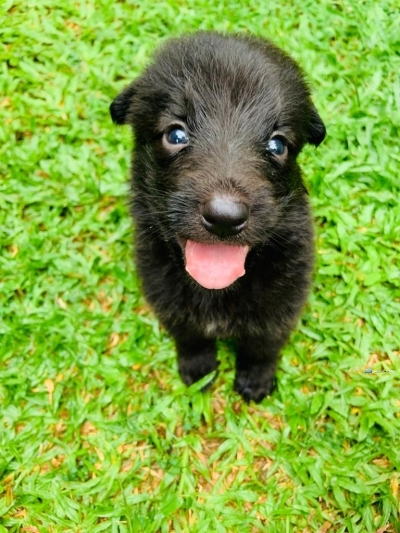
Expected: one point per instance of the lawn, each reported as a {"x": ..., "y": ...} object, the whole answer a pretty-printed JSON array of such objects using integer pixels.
[{"x": 97, "y": 432}]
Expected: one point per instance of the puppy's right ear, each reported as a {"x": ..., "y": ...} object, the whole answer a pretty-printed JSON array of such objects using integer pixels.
[
  {"x": 317, "y": 130},
  {"x": 120, "y": 107}
]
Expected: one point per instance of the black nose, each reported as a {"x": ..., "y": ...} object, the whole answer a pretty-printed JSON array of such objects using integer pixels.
[{"x": 224, "y": 217}]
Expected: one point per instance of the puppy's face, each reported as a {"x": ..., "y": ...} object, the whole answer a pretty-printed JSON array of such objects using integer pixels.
[{"x": 218, "y": 123}]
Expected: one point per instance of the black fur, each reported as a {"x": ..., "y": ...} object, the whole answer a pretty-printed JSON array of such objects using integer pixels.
[{"x": 230, "y": 94}]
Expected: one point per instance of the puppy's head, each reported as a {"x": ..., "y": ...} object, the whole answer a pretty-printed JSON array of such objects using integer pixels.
[{"x": 218, "y": 123}]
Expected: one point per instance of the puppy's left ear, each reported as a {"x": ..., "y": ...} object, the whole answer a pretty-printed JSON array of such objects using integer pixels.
[
  {"x": 119, "y": 109},
  {"x": 316, "y": 130}
]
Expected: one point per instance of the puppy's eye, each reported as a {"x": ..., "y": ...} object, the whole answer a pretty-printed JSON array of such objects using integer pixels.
[
  {"x": 177, "y": 136},
  {"x": 277, "y": 146}
]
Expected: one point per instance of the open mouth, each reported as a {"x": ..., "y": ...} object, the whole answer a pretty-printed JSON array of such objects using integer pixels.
[{"x": 214, "y": 266}]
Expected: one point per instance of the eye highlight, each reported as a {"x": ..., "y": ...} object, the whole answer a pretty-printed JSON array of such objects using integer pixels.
[
  {"x": 277, "y": 146},
  {"x": 177, "y": 136}
]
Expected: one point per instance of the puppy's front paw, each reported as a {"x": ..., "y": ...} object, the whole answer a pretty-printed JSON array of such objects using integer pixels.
[
  {"x": 197, "y": 357},
  {"x": 254, "y": 383},
  {"x": 192, "y": 370}
]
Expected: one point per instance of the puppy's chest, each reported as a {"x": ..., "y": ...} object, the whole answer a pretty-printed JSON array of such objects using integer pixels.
[
  {"x": 217, "y": 328},
  {"x": 230, "y": 326},
  {"x": 212, "y": 321},
  {"x": 220, "y": 322}
]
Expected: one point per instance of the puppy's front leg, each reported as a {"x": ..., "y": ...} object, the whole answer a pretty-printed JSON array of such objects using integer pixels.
[
  {"x": 255, "y": 367},
  {"x": 196, "y": 357}
]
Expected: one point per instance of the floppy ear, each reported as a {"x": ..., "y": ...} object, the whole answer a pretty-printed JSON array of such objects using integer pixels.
[
  {"x": 317, "y": 130},
  {"x": 120, "y": 107}
]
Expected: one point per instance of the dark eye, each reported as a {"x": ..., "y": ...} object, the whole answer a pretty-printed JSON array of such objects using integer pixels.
[
  {"x": 177, "y": 136},
  {"x": 277, "y": 146}
]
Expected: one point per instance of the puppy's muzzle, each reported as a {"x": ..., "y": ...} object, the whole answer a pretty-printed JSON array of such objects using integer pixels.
[{"x": 224, "y": 217}]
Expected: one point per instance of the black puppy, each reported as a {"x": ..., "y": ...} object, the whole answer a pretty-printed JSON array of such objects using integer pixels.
[{"x": 224, "y": 238}]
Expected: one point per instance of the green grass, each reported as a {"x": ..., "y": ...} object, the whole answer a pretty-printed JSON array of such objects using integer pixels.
[{"x": 97, "y": 433}]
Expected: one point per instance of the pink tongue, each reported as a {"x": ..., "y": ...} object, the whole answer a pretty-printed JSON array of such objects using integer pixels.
[{"x": 215, "y": 266}]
